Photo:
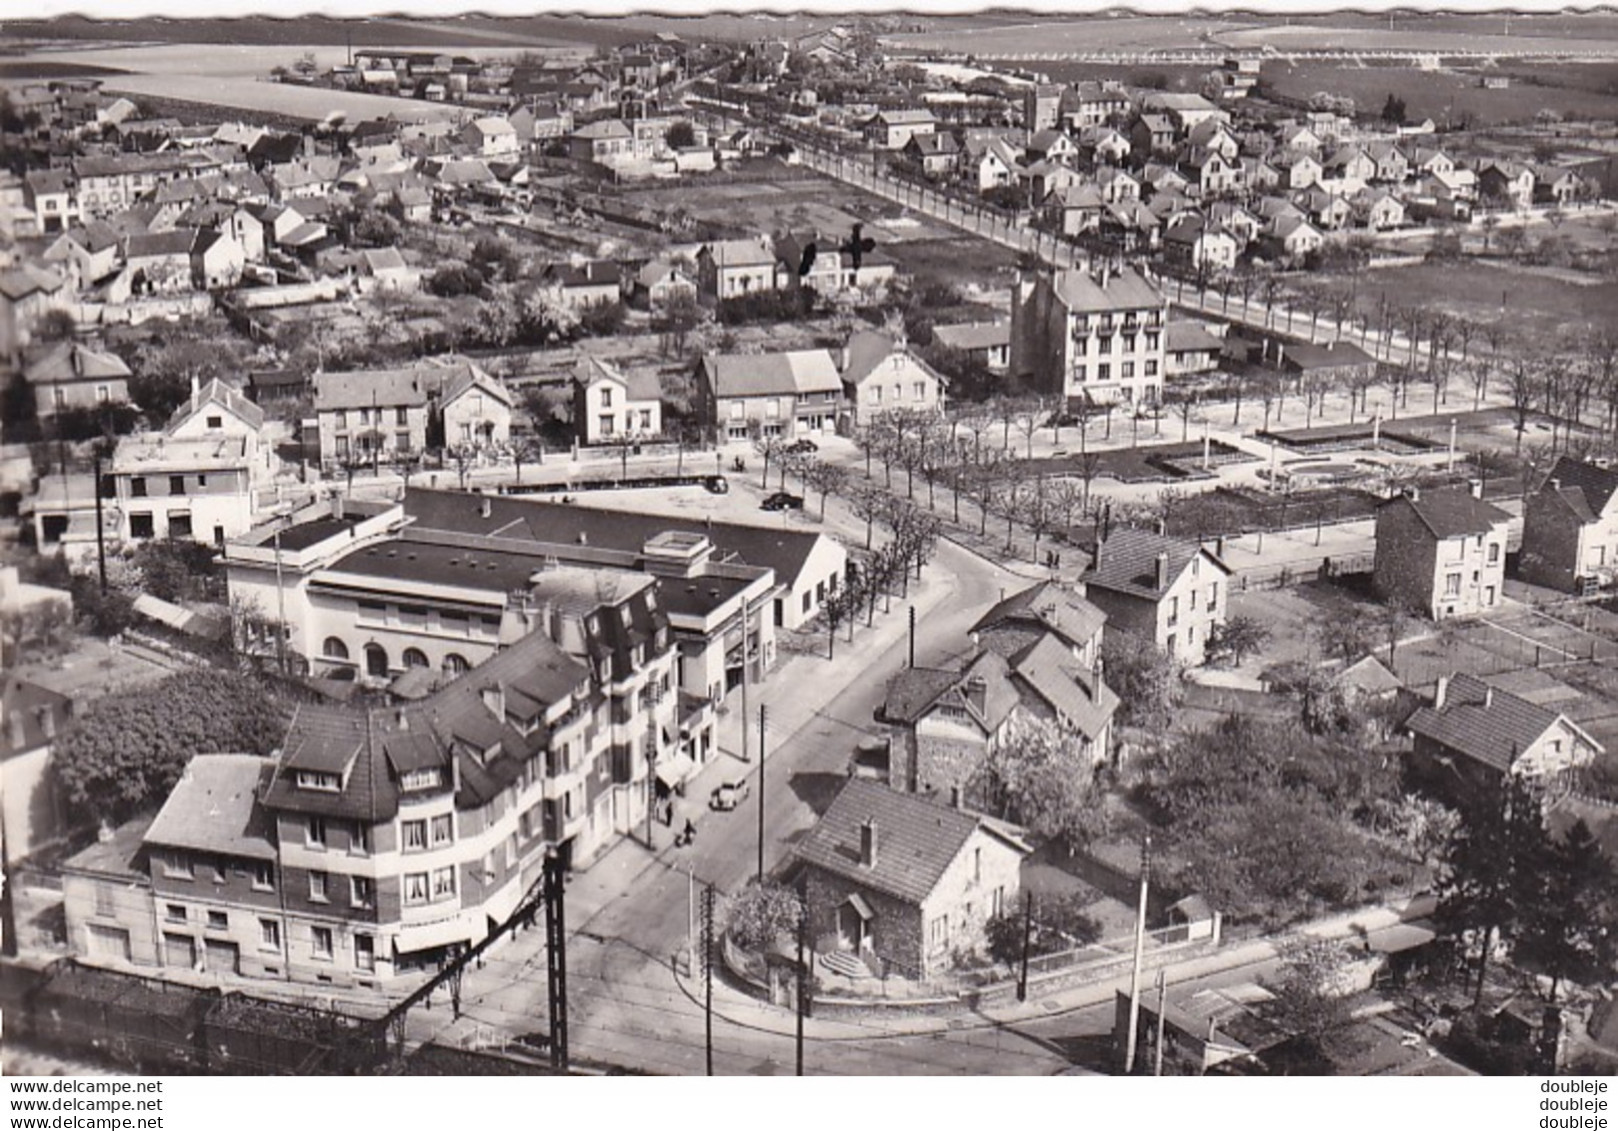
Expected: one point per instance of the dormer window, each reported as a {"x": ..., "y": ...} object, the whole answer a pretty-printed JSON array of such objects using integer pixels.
[
  {"x": 314, "y": 779},
  {"x": 419, "y": 780}
]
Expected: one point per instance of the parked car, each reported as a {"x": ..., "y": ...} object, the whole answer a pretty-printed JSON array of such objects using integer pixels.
[
  {"x": 728, "y": 795},
  {"x": 782, "y": 501},
  {"x": 802, "y": 447},
  {"x": 717, "y": 485}
]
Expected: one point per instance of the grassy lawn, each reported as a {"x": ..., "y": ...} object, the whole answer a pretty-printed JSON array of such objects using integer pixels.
[
  {"x": 1446, "y": 95},
  {"x": 1542, "y": 307}
]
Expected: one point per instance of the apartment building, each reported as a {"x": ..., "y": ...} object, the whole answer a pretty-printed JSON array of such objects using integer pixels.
[
  {"x": 1441, "y": 553},
  {"x": 1084, "y": 336}
]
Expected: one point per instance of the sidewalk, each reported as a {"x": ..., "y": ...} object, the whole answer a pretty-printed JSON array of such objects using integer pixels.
[{"x": 737, "y": 1008}]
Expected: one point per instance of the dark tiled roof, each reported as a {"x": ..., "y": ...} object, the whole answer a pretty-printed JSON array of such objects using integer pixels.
[
  {"x": 1049, "y": 606},
  {"x": 1127, "y": 562},
  {"x": 1594, "y": 485},
  {"x": 913, "y": 690},
  {"x": 1483, "y": 723},
  {"x": 1452, "y": 512},
  {"x": 1069, "y": 688},
  {"x": 71, "y": 361},
  {"x": 1307, "y": 355},
  {"x": 916, "y": 841},
  {"x": 983, "y": 688}
]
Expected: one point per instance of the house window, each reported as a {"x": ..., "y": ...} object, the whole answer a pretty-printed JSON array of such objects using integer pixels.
[
  {"x": 364, "y": 952},
  {"x": 175, "y": 912},
  {"x": 103, "y": 394},
  {"x": 606, "y": 398},
  {"x": 415, "y": 887},
  {"x": 938, "y": 932},
  {"x": 269, "y": 934},
  {"x": 317, "y": 887},
  {"x": 263, "y": 876},
  {"x": 401, "y": 416},
  {"x": 105, "y": 904},
  {"x": 444, "y": 882},
  {"x": 1128, "y": 370},
  {"x": 177, "y": 867},
  {"x": 216, "y": 422},
  {"x": 772, "y": 408},
  {"x": 359, "y": 839},
  {"x": 608, "y": 422},
  {"x": 977, "y": 864},
  {"x": 362, "y": 891},
  {"x": 876, "y": 394},
  {"x": 321, "y": 942},
  {"x": 1103, "y": 372},
  {"x": 1452, "y": 585},
  {"x": 137, "y": 486},
  {"x": 418, "y": 780},
  {"x": 311, "y": 779},
  {"x": 442, "y": 830},
  {"x": 1494, "y": 553},
  {"x": 218, "y": 921},
  {"x": 315, "y": 832},
  {"x": 415, "y": 836},
  {"x": 1151, "y": 369}
]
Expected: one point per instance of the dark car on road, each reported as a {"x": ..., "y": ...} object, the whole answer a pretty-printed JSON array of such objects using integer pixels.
[
  {"x": 782, "y": 501},
  {"x": 802, "y": 447}
]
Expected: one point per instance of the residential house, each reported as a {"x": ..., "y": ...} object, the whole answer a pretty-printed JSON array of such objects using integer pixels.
[
  {"x": 1192, "y": 348},
  {"x": 1187, "y": 111},
  {"x": 891, "y": 129},
  {"x": 606, "y": 142},
  {"x": 365, "y": 414},
  {"x": 70, "y": 375},
  {"x": 27, "y": 292},
  {"x": 474, "y": 409},
  {"x": 609, "y": 405},
  {"x": 1300, "y": 139},
  {"x": 935, "y": 154},
  {"x": 1162, "y": 590},
  {"x": 1041, "y": 178},
  {"x": 665, "y": 281},
  {"x": 1214, "y": 136},
  {"x": 1165, "y": 180},
  {"x": 156, "y": 263},
  {"x": 89, "y": 253},
  {"x": 1379, "y": 210},
  {"x": 1441, "y": 553},
  {"x": 1570, "y": 528},
  {"x": 1392, "y": 165},
  {"x": 33, "y": 717},
  {"x": 1553, "y": 185},
  {"x": 1105, "y": 145},
  {"x": 107, "y": 185},
  {"x": 217, "y": 260},
  {"x": 1506, "y": 182},
  {"x": 901, "y": 884},
  {"x": 1130, "y": 227},
  {"x": 1041, "y": 106},
  {"x": 492, "y": 138},
  {"x": 783, "y": 395},
  {"x": 998, "y": 165},
  {"x": 1260, "y": 175},
  {"x": 1327, "y": 210},
  {"x": 1051, "y": 145},
  {"x": 1047, "y": 608},
  {"x": 218, "y": 411},
  {"x": 1334, "y": 365},
  {"x": 304, "y": 179},
  {"x": 988, "y": 343},
  {"x": 1075, "y": 209},
  {"x": 1349, "y": 164},
  {"x": 385, "y": 269},
  {"x": 831, "y": 269},
  {"x": 1200, "y": 244},
  {"x": 1293, "y": 238},
  {"x": 1427, "y": 161},
  {"x": 1097, "y": 337},
  {"x": 1088, "y": 103},
  {"x": 50, "y": 196},
  {"x": 733, "y": 268},
  {"x": 1236, "y": 220},
  {"x": 182, "y": 488},
  {"x": 882, "y": 374},
  {"x": 1300, "y": 171},
  {"x": 1153, "y": 134},
  {"x": 1474, "y": 736},
  {"x": 1117, "y": 186},
  {"x": 598, "y": 282}
]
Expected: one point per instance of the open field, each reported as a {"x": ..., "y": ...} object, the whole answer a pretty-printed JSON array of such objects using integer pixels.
[
  {"x": 1445, "y": 96},
  {"x": 1437, "y": 39},
  {"x": 1178, "y": 76},
  {"x": 1527, "y": 303},
  {"x": 1097, "y": 33}
]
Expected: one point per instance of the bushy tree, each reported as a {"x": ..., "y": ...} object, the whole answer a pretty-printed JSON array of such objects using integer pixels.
[
  {"x": 761, "y": 914},
  {"x": 1147, "y": 679},
  {"x": 454, "y": 280},
  {"x": 1039, "y": 779},
  {"x": 1058, "y": 923},
  {"x": 1234, "y": 640},
  {"x": 124, "y": 753}
]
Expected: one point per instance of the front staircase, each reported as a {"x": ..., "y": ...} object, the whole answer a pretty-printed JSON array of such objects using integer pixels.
[{"x": 845, "y": 963}]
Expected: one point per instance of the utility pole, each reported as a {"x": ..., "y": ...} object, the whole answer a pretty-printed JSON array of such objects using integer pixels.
[
  {"x": 1027, "y": 937},
  {"x": 746, "y": 632},
  {"x": 912, "y": 636},
  {"x": 556, "y": 962},
  {"x": 1162, "y": 1005},
  {"x": 707, "y": 970},
  {"x": 8, "y": 914},
  {"x": 763, "y": 712},
  {"x": 1140, "y": 953},
  {"x": 101, "y": 534},
  {"x": 280, "y": 609},
  {"x": 803, "y": 968}
]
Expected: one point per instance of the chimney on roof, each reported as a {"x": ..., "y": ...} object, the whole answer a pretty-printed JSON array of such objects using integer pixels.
[
  {"x": 401, "y": 719},
  {"x": 1556, "y": 484},
  {"x": 1413, "y": 493},
  {"x": 584, "y": 538},
  {"x": 337, "y": 504},
  {"x": 1162, "y": 527},
  {"x": 196, "y": 390},
  {"x": 868, "y": 843},
  {"x": 47, "y": 721},
  {"x": 485, "y": 507},
  {"x": 1488, "y": 698},
  {"x": 1477, "y": 488},
  {"x": 955, "y": 796},
  {"x": 1163, "y": 570},
  {"x": 1441, "y": 693}
]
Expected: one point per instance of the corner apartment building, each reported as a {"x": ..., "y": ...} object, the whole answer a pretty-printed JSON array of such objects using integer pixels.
[
  {"x": 782, "y": 395},
  {"x": 1077, "y": 334},
  {"x": 1570, "y": 528},
  {"x": 1159, "y": 589},
  {"x": 169, "y": 488},
  {"x": 376, "y": 841}
]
